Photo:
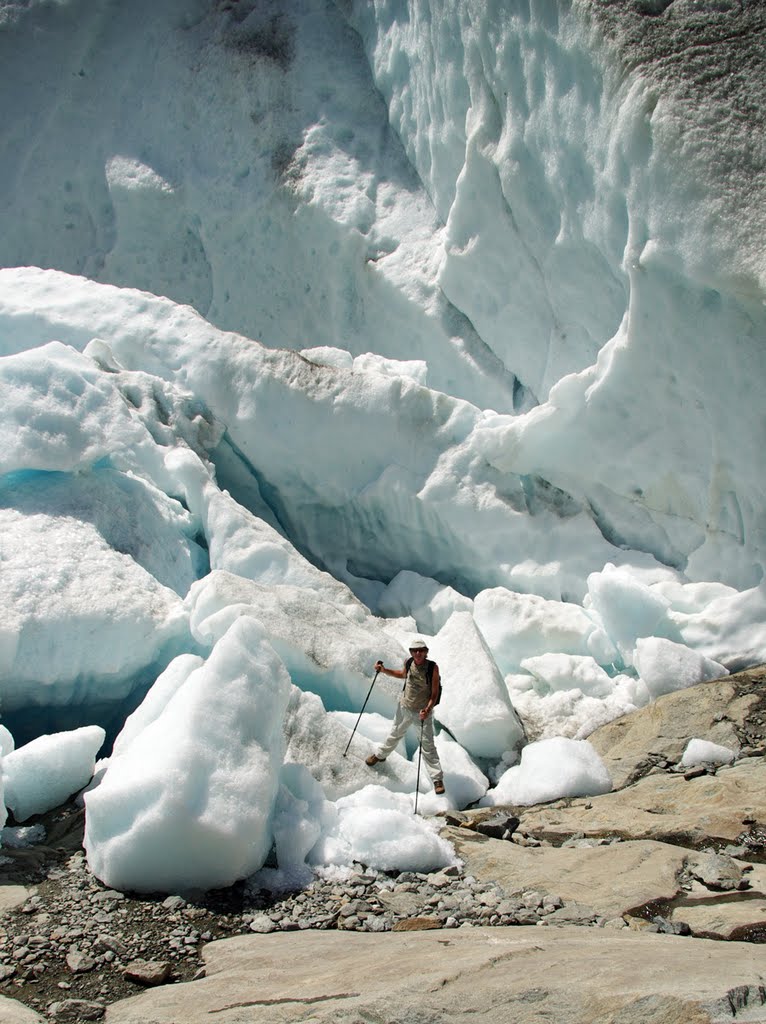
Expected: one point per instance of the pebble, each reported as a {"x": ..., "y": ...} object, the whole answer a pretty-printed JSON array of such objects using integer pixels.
[
  {"x": 79, "y": 962},
  {"x": 148, "y": 972},
  {"x": 174, "y": 903},
  {"x": 262, "y": 924}
]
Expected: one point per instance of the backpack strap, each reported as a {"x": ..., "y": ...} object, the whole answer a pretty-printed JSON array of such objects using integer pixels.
[
  {"x": 429, "y": 671},
  {"x": 407, "y": 664}
]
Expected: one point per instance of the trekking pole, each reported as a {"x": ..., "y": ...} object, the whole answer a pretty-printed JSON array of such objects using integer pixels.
[
  {"x": 420, "y": 754},
  {"x": 377, "y": 671}
]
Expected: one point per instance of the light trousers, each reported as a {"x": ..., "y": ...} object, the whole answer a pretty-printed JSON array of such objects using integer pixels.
[{"x": 403, "y": 719}]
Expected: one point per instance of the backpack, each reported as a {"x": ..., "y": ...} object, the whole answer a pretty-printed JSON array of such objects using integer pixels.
[{"x": 429, "y": 677}]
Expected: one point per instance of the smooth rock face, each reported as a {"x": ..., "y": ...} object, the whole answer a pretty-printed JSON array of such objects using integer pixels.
[
  {"x": 12, "y": 896},
  {"x": 711, "y": 912},
  {"x": 600, "y": 976},
  {"x": 13, "y": 1012},
  {"x": 722, "y": 712},
  {"x": 610, "y": 879},
  {"x": 664, "y": 806},
  {"x": 671, "y": 851},
  {"x": 732, "y": 919}
]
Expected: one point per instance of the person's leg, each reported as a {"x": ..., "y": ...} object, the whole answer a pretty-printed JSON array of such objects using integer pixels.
[
  {"x": 430, "y": 755},
  {"x": 399, "y": 726}
]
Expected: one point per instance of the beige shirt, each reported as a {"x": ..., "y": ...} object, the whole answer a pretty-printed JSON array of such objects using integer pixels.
[{"x": 417, "y": 691}]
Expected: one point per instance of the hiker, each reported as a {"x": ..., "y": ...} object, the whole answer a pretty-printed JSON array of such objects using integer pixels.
[{"x": 416, "y": 703}]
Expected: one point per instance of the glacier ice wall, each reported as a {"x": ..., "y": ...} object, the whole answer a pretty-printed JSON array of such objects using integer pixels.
[
  {"x": 599, "y": 170},
  {"x": 234, "y": 156},
  {"x": 557, "y": 206},
  {"x": 520, "y": 245}
]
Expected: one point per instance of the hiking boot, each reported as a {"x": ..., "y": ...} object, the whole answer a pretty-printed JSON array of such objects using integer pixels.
[
  {"x": 373, "y": 759},
  {"x": 438, "y": 787}
]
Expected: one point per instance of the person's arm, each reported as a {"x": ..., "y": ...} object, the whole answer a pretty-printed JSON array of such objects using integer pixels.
[
  {"x": 434, "y": 693},
  {"x": 397, "y": 673}
]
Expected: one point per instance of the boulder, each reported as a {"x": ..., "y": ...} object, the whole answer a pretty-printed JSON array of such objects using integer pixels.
[
  {"x": 79, "y": 962},
  {"x": 716, "y": 871}
]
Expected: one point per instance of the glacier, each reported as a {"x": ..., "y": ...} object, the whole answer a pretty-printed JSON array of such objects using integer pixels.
[{"x": 327, "y": 324}]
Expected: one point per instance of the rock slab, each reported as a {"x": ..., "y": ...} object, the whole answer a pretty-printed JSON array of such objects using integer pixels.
[
  {"x": 610, "y": 879},
  {"x": 582, "y": 976},
  {"x": 664, "y": 806},
  {"x": 727, "y": 711}
]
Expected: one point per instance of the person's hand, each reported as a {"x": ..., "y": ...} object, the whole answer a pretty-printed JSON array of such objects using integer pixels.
[
  {"x": 426, "y": 711},
  {"x": 378, "y": 666}
]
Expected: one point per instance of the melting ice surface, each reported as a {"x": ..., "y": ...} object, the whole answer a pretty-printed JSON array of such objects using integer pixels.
[{"x": 357, "y": 326}]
